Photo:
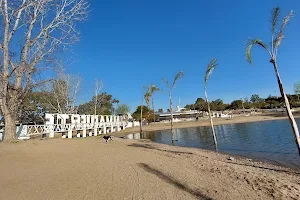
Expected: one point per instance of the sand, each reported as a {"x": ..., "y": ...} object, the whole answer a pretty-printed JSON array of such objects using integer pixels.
[{"x": 89, "y": 168}]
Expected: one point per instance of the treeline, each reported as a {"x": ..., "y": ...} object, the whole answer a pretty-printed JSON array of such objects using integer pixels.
[
  {"x": 59, "y": 96},
  {"x": 255, "y": 102}
]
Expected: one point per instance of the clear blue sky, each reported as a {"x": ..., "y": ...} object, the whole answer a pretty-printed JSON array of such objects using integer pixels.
[{"x": 131, "y": 43}]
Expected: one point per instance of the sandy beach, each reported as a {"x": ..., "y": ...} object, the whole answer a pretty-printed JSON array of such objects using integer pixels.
[
  {"x": 126, "y": 169},
  {"x": 90, "y": 168}
]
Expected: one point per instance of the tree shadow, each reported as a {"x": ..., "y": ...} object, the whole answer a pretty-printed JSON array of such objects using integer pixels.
[
  {"x": 173, "y": 181},
  {"x": 148, "y": 146}
]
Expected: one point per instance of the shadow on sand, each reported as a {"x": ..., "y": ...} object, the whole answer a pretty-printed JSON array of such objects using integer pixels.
[
  {"x": 148, "y": 146},
  {"x": 173, "y": 181}
]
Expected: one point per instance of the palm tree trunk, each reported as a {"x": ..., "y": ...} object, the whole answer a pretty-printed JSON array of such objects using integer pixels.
[
  {"x": 141, "y": 126},
  {"x": 153, "y": 110},
  {"x": 211, "y": 121},
  {"x": 288, "y": 109},
  {"x": 171, "y": 111}
]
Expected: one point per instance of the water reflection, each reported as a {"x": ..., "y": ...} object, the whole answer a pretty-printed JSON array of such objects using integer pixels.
[{"x": 267, "y": 140}]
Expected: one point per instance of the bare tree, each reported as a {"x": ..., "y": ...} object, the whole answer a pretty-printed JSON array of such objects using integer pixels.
[
  {"x": 60, "y": 94},
  {"x": 170, "y": 88},
  {"x": 41, "y": 28},
  {"x": 98, "y": 88},
  {"x": 277, "y": 38},
  {"x": 297, "y": 90},
  {"x": 65, "y": 89},
  {"x": 211, "y": 66}
]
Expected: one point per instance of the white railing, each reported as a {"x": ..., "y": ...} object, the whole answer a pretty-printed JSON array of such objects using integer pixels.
[{"x": 60, "y": 128}]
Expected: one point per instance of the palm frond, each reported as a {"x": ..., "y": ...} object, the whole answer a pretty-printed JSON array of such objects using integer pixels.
[
  {"x": 166, "y": 82},
  {"x": 210, "y": 68},
  {"x": 153, "y": 88},
  {"x": 147, "y": 97},
  {"x": 274, "y": 18},
  {"x": 177, "y": 77},
  {"x": 250, "y": 43},
  {"x": 280, "y": 35}
]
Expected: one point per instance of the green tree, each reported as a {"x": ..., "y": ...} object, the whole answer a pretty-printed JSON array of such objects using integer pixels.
[
  {"x": 35, "y": 106},
  {"x": 189, "y": 106},
  {"x": 122, "y": 109},
  {"x": 211, "y": 66},
  {"x": 257, "y": 102},
  {"x": 149, "y": 95},
  {"x": 277, "y": 37},
  {"x": 200, "y": 104},
  {"x": 170, "y": 88},
  {"x": 272, "y": 104},
  {"x": 104, "y": 105},
  {"x": 297, "y": 89},
  {"x": 247, "y": 103},
  {"x": 255, "y": 98},
  {"x": 218, "y": 105},
  {"x": 236, "y": 104},
  {"x": 137, "y": 113}
]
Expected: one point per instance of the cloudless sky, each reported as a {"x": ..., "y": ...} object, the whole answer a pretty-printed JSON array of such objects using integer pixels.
[{"x": 129, "y": 44}]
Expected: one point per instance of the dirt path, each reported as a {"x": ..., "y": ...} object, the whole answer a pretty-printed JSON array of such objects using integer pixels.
[{"x": 124, "y": 169}]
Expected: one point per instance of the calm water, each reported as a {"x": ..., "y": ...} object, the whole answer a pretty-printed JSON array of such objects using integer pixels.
[{"x": 271, "y": 141}]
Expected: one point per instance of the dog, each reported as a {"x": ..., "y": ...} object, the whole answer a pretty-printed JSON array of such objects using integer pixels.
[{"x": 107, "y": 138}]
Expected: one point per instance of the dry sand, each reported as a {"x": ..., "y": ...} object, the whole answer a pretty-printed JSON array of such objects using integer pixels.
[{"x": 89, "y": 168}]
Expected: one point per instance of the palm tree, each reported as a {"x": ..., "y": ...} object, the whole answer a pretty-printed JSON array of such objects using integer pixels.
[
  {"x": 211, "y": 66},
  {"x": 170, "y": 87},
  {"x": 141, "y": 126},
  {"x": 275, "y": 43},
  {"x": 149, "y": 96}
]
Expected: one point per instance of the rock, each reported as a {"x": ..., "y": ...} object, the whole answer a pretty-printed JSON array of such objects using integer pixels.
[{"x": 231, "y": 158}]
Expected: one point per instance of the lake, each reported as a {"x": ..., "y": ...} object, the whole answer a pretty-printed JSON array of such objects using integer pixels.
[{"x": 271, "y": 141}]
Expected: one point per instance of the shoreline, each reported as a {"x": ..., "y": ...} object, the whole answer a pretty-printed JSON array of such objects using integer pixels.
[
  {"x": 158, "y": 126},
  {"x": 218, "y": 121}
]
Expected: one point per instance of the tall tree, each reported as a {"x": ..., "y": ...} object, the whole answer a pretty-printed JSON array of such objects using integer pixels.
[
  {"x": 211, "y": 66},
  {"x": 277, "y": 38},
  {"x": 98, "y": 88},
  {"x": 297, "y": 89},
  {"x": 122, "y": 109},
  {"x": 64, "y": 90},
  {"x": 255, "y": 98},
  {"x": 137, "y": 113},
  {"x": 200, "y": 104},
  {"x": 170, "y": 88},
  {"x": 32, "y": 33},
  {"x": 149, "y": 95},
  {"x": 236, "y": 104},
  {"x": 146, "y": 97},
  {"x": 104, "y": 105}
]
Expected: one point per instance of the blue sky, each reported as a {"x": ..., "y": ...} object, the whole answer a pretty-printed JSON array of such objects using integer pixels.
[{"x": 132, "y": 43}]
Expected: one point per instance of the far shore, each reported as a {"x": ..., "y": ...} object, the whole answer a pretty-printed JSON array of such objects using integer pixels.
[{"x": 205, "y": 122}]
